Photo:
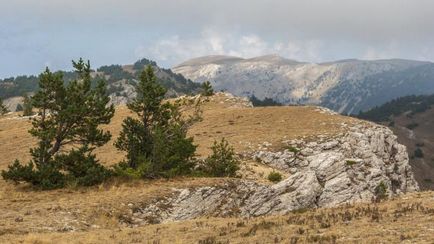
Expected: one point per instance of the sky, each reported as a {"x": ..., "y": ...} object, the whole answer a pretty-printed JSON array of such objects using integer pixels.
[{"x": 39, "y": 33}]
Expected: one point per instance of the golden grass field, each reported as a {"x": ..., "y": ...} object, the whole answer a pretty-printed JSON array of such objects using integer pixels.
[
  {"x": 222, "y": 117},
  {"x": 405, "y": 220},
  {"x": 91, "y": 215}
]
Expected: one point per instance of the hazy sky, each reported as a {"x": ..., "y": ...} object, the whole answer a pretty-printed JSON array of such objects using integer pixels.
[{"x": 39, "y": 33}]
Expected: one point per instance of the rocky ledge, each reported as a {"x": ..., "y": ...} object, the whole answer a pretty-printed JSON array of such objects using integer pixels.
[{"x": 354, "y": 166}]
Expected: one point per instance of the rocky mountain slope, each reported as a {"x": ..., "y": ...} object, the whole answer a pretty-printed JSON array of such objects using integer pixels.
[
  {"x": 346, "y": 86},
  {"x": 411, "y": 119},
  {"x": 121, "y": 81},
  {"x": 348, "y": 167},
  {"x": 326, "y": 160}
]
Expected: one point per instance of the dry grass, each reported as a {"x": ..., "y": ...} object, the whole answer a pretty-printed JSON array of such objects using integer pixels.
[
  {"x": 408, "y": 219},
  {"x": 24, "y": 210},
  {"x": 31, "y": 216},
  {"x": 243, "y": 127}
]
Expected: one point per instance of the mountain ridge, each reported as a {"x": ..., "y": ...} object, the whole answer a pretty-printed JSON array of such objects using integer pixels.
[
  {"x": 217, "y": 57},
  {"x": 121, "y": 81},
  {"x": 346, "y": 86}
]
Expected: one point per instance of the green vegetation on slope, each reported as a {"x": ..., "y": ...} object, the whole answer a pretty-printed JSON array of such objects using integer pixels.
[
  {"x": 263, "y": 103},
  {"x": 68, "y": 131},
  {"x": 17, "y": 86},
  {"x": 407, "y": 104}
]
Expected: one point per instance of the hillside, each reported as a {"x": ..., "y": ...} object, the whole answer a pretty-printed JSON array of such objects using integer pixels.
[
  {"x": 402, "y": 220},
  {"x": 327, "y": 160},
  {"x": 121, "y": 81},
  {"x": 345, "y": 86},
  {"x": 411, "y": 119}
]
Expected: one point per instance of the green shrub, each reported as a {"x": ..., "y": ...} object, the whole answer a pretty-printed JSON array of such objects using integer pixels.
[
  {"x": 274, "y": 177},
  {"x": 351, "y": 162},
  {"x": 263, "y": 103},
  {"x": 293, "y": 149},
  {"x": 83, "y": 169},
  {"x": 47, "y": 176},
  {"x": 222, "y": 162},
  {"x": 381, "y": 192},
  {"x": 122, "y": 169},
  {"x": 418, "y": 153},
  {"x": 420, "y": 144},
  {"x": 74, "y": 168},
  {"x": 412, "y": 126}
]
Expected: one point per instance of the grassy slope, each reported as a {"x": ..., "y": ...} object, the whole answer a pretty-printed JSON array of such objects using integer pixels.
[
  {"x": 32, "y": 216},
  {"x": 408, "y": 219},
  {"x": 223, "y": 117}
]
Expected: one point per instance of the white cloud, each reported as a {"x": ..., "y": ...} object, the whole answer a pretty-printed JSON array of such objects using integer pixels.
[
  {"x": 175, "y": 49},
  {"x": 389, "y": 51},
  {"x": 110, "y": 31}
]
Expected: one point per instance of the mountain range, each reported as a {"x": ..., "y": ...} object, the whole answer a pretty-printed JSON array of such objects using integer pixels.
[
  {"x": 121, "y": 81},
  {"x": 345, "y": 86}
]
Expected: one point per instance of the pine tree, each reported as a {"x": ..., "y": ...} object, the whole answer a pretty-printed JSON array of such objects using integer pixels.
[
  {"x": 222, "y": 162},
  {"x": 27, "y": 105},
  {"x": 3, "y": 108},
  {"x": 156, "y": 141},
  {"x": 207, "y": 89},
  {"x": 68, "y": 117}
]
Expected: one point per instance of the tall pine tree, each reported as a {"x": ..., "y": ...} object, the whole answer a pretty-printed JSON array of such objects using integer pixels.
[
  {"x": 156, "y": 141},
  {"x": 68, "y": 117},
  {"x": 207, "y": 89}
]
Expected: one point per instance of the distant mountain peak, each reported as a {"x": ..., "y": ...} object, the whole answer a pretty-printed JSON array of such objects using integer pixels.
[
  {"x": 273, "y": 58},
  {"x": 216, "y": 59},
  {"x": 225, "y": 59},
  {"x": 346, "y": 86}
]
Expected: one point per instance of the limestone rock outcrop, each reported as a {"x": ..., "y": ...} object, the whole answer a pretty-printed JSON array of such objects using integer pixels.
[{"x": 326, "y": 172}]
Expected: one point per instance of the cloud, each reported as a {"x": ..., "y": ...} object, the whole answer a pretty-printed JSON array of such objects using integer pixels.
[
  {"x": 373, "y": 54},
  {"x": 391, "y": 50},
  {"x": 369, "y": 20},
  {"x": 169, "y": 31},
  {"x": 175, "y": 49}
]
